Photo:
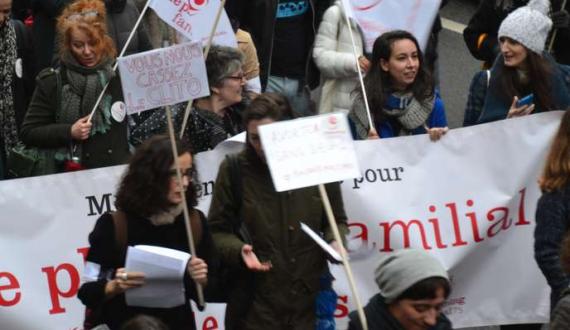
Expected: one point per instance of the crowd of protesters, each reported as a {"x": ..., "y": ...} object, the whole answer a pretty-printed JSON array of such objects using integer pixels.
[{"x": 61, "y": 108}]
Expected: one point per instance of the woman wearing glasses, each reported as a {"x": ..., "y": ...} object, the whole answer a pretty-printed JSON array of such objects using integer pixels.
[
  {"x": 58, "y": 118},
  {"x": 149, "y": 204}
]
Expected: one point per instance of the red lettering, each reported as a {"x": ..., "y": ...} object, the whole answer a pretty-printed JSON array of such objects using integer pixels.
[
  {"x": 522, "y": 219},
  {"x": 210, "y": 323},
  {"x": 406, "y": 233},
  {"x": 12, "y": 285},
  {"x": 341, "y": 307},
  {"x": 456, "y": 229},
  {"x": 435, "y": 223},
  {"x": 474, "y": 226},
  {"x": 503, "y": 223},
  {"x": 83, "y": 252},
  {"x": 54, "y": 290}
]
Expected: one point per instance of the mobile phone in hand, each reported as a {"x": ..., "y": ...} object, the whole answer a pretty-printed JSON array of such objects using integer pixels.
[{"x": 527, "y": 100}]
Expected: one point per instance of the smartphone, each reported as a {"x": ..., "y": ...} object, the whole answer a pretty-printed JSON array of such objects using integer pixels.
[{"x": 527, "y": 100}]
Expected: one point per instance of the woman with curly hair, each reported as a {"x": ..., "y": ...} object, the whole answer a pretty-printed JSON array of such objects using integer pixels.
[
  {"x": 400, "y": 92},
  {"x": 58, "y": 116},
  {"x": 149, "y": 211},
  {"x": 553, "y": 212}
]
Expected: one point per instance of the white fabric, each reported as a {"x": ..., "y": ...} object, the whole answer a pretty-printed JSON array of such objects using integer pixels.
[{"x": 334, "y": 56}]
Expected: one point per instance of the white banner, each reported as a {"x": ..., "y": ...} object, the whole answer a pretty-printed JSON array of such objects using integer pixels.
[
  {"x": 378, "y": 16},
  {"x": 163, "y": 76},
  {"x": 194, "y": 19},
  {"x": 468, "y": 199}
]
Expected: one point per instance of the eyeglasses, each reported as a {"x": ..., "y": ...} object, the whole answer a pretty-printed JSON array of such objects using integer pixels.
[
  {"x": 84, "y": 14},
  {"x": 189, "y": 172},
  {"x": 238, "y": 77}
]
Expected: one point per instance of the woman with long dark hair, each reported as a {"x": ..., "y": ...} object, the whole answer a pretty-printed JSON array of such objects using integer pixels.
[
  {"x": 149, "y": 211},
  {"x": 400, "y": 92},
  {"x": 522, "y": 71}
]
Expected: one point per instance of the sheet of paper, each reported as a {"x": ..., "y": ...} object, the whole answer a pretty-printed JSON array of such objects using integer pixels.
[
  {"x": 164, "y": 272},
  {"x": 321, "y": 242}
]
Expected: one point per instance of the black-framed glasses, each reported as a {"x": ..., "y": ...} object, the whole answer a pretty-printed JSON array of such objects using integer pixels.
[
  {"x": 238, "y": 77},
  {"x": 189, "y": 172},
  {"x": 83, "y": 14}
]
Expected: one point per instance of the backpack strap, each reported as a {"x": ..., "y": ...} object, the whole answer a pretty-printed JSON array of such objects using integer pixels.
[
  {"x": 121, "y": 226},
  {"x": 237, "y": 192}
]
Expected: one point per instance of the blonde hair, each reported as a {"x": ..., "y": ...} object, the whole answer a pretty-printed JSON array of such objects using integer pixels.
[{"x": 90, "y": 17}]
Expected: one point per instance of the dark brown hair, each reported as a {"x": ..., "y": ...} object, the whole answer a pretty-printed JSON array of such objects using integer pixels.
[
  {"x": 426, "y": 289},
  {"x": 144, "y": 188},
  {"x": 557, "y": 168},
  {"x": 268, "y": 105}
]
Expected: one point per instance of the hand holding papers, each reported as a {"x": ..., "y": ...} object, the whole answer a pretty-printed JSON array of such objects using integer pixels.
[
  {"x": 329, "y": 249},
  {"x": 164, "y": 272}
]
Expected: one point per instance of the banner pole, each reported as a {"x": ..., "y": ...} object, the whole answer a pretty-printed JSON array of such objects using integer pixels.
[
  {"x": 347, "y": 269},
  {"x": 191, "y": 245},
  {"x": 121, "y": 54},
  {"x": 360, "y": 78},
  {"x": 551, "y": 44},
  {"x": 206, "y": 52}
]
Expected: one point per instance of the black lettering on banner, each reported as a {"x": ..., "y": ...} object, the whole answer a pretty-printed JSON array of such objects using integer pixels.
[{"x": 98, "y": 208}]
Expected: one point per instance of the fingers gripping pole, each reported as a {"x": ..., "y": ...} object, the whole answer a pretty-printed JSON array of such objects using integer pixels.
[
  {"x": 121, "y": 54},
  {"x": 206, "y": 52},
  {"x": 199, "y": 289},
  {"x": 347, "y": 269},
  {"x": 360, "y": 78}
]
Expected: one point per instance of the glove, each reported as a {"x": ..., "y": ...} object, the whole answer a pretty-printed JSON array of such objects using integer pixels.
[{"x": 560, "y": 19}]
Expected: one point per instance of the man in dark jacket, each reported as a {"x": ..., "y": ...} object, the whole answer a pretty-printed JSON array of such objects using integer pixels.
[
  {"x": 283, "y": 32},
  {"x": 481, "y": 33}
]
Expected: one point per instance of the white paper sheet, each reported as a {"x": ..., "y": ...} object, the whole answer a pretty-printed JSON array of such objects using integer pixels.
[
  {"x": 321, "y": 242},
  {"x": 164, "y": 272}
]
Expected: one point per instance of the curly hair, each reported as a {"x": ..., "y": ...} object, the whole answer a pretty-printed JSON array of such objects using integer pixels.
[
  {"x": 557, "y": 168},
  {"x": 145, "y": 185},
  {"x": 378, "y": 83},
  {"x": 88, "y": 16}
]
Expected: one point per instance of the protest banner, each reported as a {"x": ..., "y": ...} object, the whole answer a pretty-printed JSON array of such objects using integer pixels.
[
  {"x": 468, "y": 199},
  {"x": 378, "y": 16},
  {"x": 163, "y": 76},
  {"x": 193, "y": 19}
]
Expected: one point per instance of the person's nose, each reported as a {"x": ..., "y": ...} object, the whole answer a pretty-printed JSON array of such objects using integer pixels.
[
  {"x": 88, "y": 50},
  {"x": 430, "y": 317}
]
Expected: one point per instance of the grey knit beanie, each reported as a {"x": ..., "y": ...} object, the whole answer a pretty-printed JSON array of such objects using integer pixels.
[
  {"x": 529, "y": 25},
  {"x": 400, "y": 270}
]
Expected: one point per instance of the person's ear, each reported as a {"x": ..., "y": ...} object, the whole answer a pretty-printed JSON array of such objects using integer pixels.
[
  {"x": 384, "y": 65},
  {"x": 215, "y": 90}
]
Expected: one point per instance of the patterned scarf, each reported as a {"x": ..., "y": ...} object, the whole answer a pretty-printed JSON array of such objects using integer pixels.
[{"x": 8, "y": 127}]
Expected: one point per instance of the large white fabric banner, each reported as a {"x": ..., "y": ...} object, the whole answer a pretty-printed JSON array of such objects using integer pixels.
[{"x": 468, "y": 199}]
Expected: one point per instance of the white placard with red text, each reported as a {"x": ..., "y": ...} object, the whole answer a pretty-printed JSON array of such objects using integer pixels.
[
  {"x": 378, "y": 16},
  {"x": 164, "y": 76},
  {"x": 309, "y": 151},
  {"x": 194, "y": 19},
  {"x": 468, "y": 199}
]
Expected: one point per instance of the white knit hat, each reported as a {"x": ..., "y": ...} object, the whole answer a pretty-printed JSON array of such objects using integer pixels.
[
  {"x": 400, "y": 270},
  {"x": 529, "y": 25}
]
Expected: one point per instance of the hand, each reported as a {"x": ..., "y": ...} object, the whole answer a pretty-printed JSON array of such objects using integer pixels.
[
  {"x": 123, "y": 281},
  {"x": 372, "y": 135},
  {"x": 515, "y": 111},
  {"x": 81, "y": 128},
  {"x": 435, "y": 133},
  {"x": 251, "y": 261},
  {"x": 198, "y": 270},
  {"x": 364, "y": 64},
  {"x": 560, "y": 19}
]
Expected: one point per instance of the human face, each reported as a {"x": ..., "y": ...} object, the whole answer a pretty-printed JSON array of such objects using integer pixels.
[
  {"x": 514, "y": 53},
  {"x": 403, "y": 64},
  {"x": 174, "y": 192},
  {"x": 418, "y": 314},
  {"x": 5, "y": 9},
  {"x": 253, "y": 135},
  {"x": 232, "y": 87},
  {"x": 84, "y": 48}
]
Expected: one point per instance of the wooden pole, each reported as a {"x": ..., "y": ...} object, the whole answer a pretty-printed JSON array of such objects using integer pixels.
[
  {"x": 347, "y": 269},
  {"x": 206, "y": 52},
  {"x": 199, "y": 289}
]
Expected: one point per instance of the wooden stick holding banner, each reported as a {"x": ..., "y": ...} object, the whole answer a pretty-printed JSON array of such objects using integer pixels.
[
  {"x": 206, "y": 51},
  {"x": 360, "y": 78},
  {"x": 312, "y": 151},
  {"x": 199, "y": 289},
  {"x": 134, "y": 30},
  {"x": 551, "y": 44},
  {"x": 345, "y": 263}
]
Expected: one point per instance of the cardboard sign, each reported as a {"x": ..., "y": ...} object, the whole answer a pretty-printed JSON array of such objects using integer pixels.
[
  {"x": 194, "y": 19},
  {"x": 163, "y": 76},
  {"x": 378, "y": 16},
  {"x": 309, "y": 151}
]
